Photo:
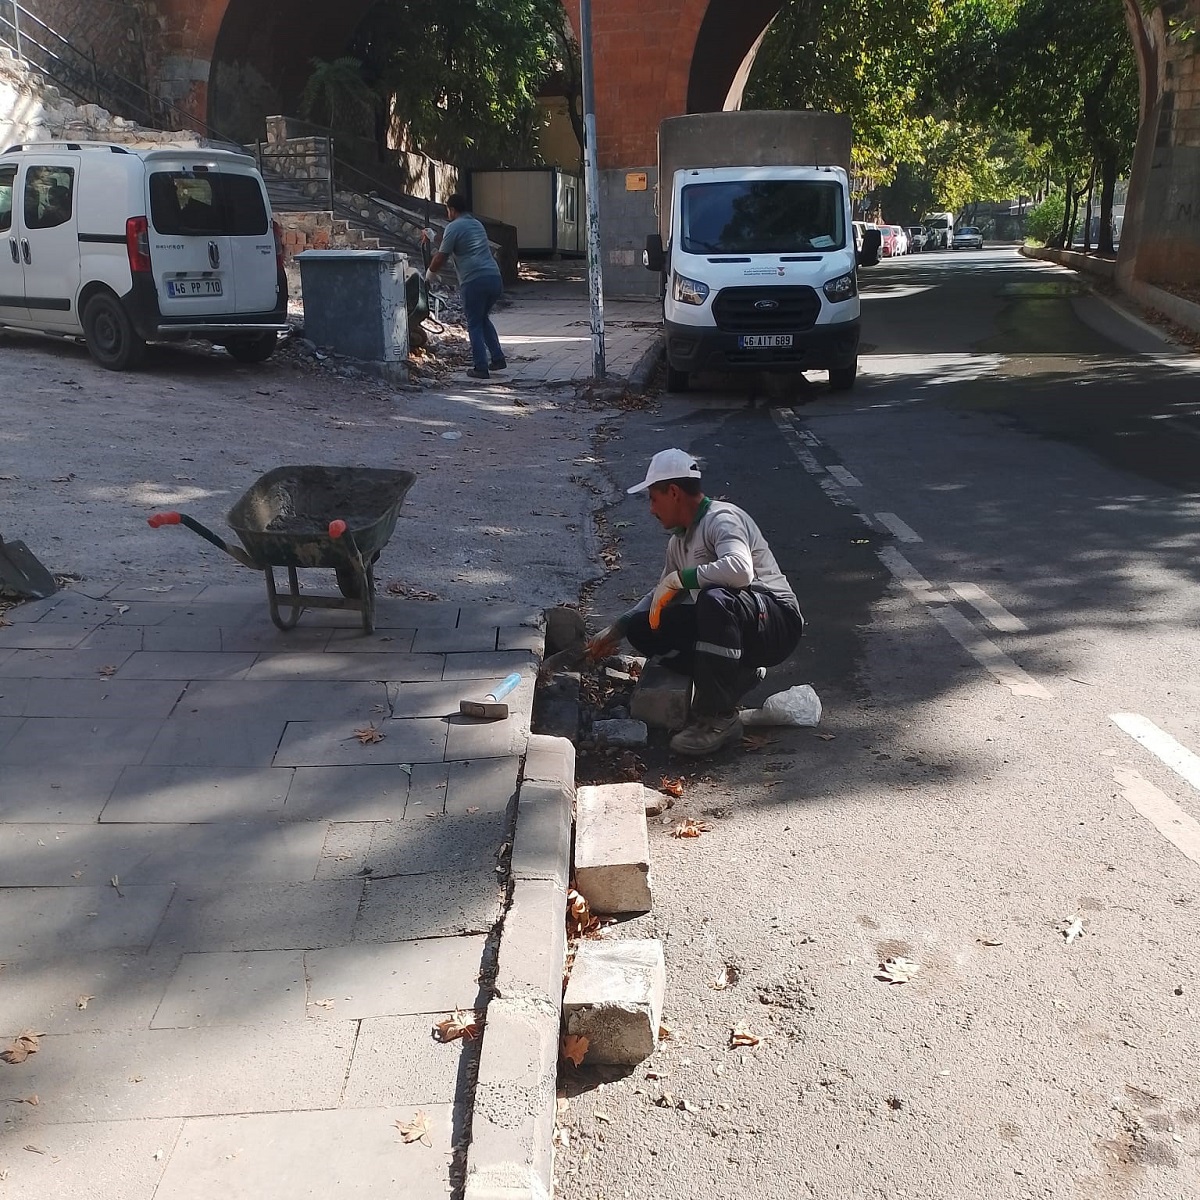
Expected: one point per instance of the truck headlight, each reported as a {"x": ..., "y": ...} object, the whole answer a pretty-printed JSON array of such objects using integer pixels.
[
  {"x": 841, "y": 288},
  {"x": 688, "y": 291}
]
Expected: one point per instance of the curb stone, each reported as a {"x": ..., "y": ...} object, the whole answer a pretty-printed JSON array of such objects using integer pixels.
[{"x": 643, "y": 371}]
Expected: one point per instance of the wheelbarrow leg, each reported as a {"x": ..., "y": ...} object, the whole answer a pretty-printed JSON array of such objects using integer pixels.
[
  {"x": 293, "y": 601},
  {"x": 367, "y": 598}
]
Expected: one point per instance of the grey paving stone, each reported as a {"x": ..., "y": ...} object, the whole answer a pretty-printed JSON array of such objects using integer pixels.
[
  {"x": 368, "y": 979},
  {"x": 320, "y": 743},
  {"x": 59, "y": 664},
  {"x": 350, "y": 1154},
  {"x": 398, "y": 1061},
  {"x": 438, "y": 699},
  {"x": 446, "y": 843},
  {"x": 382, "y": 641},
  {"x": 186, "y": 638},
  {"x": 264, "y": 638},
  {"x": 255, "y": 916},
  {"x": 401, "y": 667},
  {"x": 289, "y": 700},
  {"x": 102, "y": 1160},
  {"x": 485, "y": 785},
  {"x": 36, "y": 636},
  {"x": 443, "y": 641},
  {"x": 216, "y": 740},
  {"x": 492, "y": 665},
  {"x": 127, "y": 1075},
  {"x": 35, "y": 610},
  {"x": 9, "y": 727},
  {"x": 225, "y": 852},
  {"x": 353, "y": 793},
  {"x": 427, "y": 906},
  {"x": 427, "y": 790},
  {"x": 200, "y": 665},
  {"x": 122, "y": 990},
  {"x": 87, "y": 697},
  {"x": 122, "y": 639},
  {"x": 246, "y": 988},
  {"x": 39, "y": 922},
  {"x": 141, "y": 614},
  {"x": 165, "y": 794},
  {"x": 500, "y": 614},
  {"x": 416, "y": 614},
  {"x": 467, "y": 737},
  {"x": 229, "y": 614},
  {"x": 344, "y": 854},
  {"x": 98, "y": 741},
  {"x": 172, "y": 594},
  {"x": 69, "y": 608},
  {"x": 521, "y": 638},
  {"x": 48, "y": 792},
  {"x": 242, "y": 592}
]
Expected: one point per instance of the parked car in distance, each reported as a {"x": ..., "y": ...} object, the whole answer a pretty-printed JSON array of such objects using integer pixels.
[
  {"x": 967, "y": 237},
  {"x": 916, "y": 238},
  {"x": 901, "y": 239},
  {"x": 887, "y": 244}
]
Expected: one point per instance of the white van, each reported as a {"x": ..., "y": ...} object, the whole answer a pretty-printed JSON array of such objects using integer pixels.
[{"x": 122, "y": 246}]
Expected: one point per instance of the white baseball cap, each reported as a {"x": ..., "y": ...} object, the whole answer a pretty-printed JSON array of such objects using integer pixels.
[{"x": 668, "y": 464}]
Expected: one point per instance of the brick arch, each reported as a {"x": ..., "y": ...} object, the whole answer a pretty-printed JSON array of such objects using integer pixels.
[{"x": 725, "y": 47}]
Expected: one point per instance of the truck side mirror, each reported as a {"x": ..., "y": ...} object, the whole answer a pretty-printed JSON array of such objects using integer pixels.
[
  {"x": 653, "y": 257},
  {"x": 868, "y": 256}
]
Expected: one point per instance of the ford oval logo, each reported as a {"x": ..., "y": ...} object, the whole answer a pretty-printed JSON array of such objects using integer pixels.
[{"x": 766, "y": 305}]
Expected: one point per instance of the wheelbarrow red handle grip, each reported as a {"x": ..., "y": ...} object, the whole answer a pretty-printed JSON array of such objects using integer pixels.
[
  {"x": 163, "y": 518},
  {"x": 337, "y": 528}
]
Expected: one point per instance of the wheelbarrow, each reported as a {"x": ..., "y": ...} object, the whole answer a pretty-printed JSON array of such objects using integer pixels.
[{"x": 332, "y": 517}]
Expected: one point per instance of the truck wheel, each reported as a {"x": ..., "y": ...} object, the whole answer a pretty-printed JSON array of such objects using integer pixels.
[
  {"x": 677, "y": 381},
  {"x": 841, "y": 379},
  {"x": 252, "y": 349},
  {"x": 110, "y": 336}
]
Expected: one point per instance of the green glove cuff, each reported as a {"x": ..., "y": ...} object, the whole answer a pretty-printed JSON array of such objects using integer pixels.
[{"x": 688, "y": 578}]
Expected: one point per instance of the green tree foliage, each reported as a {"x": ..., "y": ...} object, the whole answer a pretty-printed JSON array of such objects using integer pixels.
[
  {"x": 1045, "y": 220},
  {"x": 337, "y": 96},
  {"x": 461, "y": 77}
]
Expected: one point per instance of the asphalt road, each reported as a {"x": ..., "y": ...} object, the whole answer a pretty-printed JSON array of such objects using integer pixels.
[{"x": 994, "y": 538}]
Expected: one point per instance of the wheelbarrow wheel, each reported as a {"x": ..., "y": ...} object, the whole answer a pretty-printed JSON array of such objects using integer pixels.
[{"x": 348, "y": 581}]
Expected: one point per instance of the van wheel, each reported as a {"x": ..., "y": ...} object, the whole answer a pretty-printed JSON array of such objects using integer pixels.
[
  {"x": 841, "y": 379},
  {"x": 111, "y": 338},
  {"x": 677, "y": 381},
  {"x": 252, "y": 349}
]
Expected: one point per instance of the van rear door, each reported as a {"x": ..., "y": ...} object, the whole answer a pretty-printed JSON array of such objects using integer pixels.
[
  {"x": 189, "y": 248},
  {"x": 251, "y": 239}
]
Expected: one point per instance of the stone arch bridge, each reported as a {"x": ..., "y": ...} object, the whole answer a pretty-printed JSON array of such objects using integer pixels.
[{"x": 232, "y": 62}]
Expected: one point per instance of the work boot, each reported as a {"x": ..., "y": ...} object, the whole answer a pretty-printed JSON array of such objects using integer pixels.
[
  {"x": 706, "y": 735},
  {"x": 476, "y": 373},
  {"x": 498, "y": 364}
]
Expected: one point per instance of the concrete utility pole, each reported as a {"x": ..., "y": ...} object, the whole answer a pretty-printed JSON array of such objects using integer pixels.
[{"x": 591, "y": 189}]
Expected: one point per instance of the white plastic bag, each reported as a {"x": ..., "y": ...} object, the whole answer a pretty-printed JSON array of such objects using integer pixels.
[{"x": 799, "y": 705}]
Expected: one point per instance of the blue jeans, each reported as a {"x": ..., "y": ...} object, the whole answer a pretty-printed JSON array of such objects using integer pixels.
[{"x": 479, "y": 296}]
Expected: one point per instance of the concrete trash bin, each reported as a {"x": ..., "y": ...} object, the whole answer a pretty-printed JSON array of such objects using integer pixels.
[{"x": 355, "y": 304}]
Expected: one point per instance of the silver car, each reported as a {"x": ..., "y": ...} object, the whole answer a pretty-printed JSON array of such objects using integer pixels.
[{"x": 967, "y": 237}]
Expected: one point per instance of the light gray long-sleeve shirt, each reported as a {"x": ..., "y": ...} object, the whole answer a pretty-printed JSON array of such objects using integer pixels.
[{"x": 727, "y": 549}]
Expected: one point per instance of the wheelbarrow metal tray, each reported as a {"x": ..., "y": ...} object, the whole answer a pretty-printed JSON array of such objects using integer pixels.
[{"x": 283, "y": 519}]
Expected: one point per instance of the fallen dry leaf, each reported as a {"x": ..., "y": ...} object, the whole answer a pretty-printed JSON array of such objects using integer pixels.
[
  {"x": 689, "y": 827},
  {"x": 82, "y": 1002},
  {"x": 897, "y": 970},
  {"x": 665, "y": 1032},
  {"x": 723, "y": 980},
  {"x": 825, "y": 737},
  {"x": 988, "y": 942},
  {"x": 574, "y": 1048},
  {"x": 23, "y": 1045},
  {"x": 108, "y": 671},
  {"x": 328, "y": 1002},
  {"x": 115, "y": 884},
  {"x": 416, "y": 1130},
  {"x": 756, "y": 741},
  {"x": 34, "y": 1149},
  {"x": 580, "y": 921},
  {"x": 672, "y": 787},
  {"x": 369, "y": 735},
  {"x": 460, "y": 1025},
  {"x": 33, "y": 1101},
  {"x": 742, "y": 1037}
]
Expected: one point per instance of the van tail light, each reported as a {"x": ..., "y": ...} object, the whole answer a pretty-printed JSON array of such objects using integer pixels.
[
  {"x": 137, "y": 244},
  {"x": 277, "y": 230}
]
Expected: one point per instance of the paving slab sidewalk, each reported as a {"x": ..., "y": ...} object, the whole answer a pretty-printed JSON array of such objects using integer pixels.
[{"x": 233, "y": 920}]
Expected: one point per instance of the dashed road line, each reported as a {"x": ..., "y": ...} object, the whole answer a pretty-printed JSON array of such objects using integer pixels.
[
  {"x": 844, "y": 477},
  {"x": 988, "y": 654},
  {"x": 905, "y": 573},
  {"x": 1161, "y": 744},
  {"x": 903, "y": 531},
  {"x": 1180, "y": 829},
  {"x": 992, "y": 611}
]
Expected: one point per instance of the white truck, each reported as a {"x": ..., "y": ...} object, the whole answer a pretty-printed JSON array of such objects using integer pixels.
[
  {"x": 939, "y": 228},
  {"x": 756, "y": 245}
]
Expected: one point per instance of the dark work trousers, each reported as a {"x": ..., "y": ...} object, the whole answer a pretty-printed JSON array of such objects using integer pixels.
[
  {"x": 479, "y": 296},
  {"x": 719, "y": 641}
]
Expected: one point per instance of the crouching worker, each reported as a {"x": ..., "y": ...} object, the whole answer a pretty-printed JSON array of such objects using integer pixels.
[{"x": 721, "y": 610}]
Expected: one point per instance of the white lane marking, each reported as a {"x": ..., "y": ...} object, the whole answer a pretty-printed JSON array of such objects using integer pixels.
[
  {"x": 989, "y": 655},
  {"x": 825, "y": 481},
  {"x": 1181, "y": 830},
  {"x": 905, "y": 573},
  {"x": 906, "y": 533},
  {"x": 809, "y": 439},
  {"x": 992, "y": 611},
  {"x": 1161, "y": 744},
  {"x": 844, "y": 477}
]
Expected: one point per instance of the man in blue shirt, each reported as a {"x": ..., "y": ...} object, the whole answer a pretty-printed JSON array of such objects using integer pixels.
[{"x": 479, "y": 282}]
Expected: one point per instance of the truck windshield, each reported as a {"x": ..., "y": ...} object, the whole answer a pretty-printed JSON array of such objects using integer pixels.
[{"x": 766, "y": 216}]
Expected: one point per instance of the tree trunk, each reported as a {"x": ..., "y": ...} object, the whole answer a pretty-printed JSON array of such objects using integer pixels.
[
  {"x": 1068, "y": 221},
  {"x": 1087, "y": 217},
  {"x": 1108, "y": 188}
]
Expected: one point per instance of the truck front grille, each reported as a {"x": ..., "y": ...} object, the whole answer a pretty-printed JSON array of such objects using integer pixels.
[{"x": 766, "y": 309}]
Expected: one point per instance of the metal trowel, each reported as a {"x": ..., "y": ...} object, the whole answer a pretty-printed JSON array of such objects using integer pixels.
[{"x": 21, "y": 574}]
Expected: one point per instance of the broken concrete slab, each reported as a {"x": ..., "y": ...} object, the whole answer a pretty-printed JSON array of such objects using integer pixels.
[
  {"x": 622, "y": 733},
  {"x": 612, "y": 848},
  {"x": 549, "y": 759},
  {"x": 614, "y": 998},
  {"x": 662, "y": 698}
]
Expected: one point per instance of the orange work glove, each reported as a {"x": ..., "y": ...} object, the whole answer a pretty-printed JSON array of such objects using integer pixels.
[{"x": 663, "y": 594}]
